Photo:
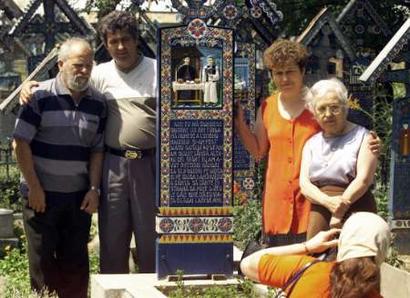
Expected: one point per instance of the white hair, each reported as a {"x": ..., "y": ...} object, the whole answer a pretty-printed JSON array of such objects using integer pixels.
[
  {"x": 66, "y": 47},
  {"x": 323, "y": 87}
]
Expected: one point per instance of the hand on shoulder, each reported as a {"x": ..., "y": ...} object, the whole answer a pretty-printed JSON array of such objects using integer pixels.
[{"x": 27, "y": 91}]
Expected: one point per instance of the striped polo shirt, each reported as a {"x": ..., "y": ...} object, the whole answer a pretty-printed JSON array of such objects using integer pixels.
[{"x": 62, "y": 135}]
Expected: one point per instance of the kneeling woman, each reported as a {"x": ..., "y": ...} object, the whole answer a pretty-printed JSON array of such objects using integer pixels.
[
  {"x": 337, "y": 164},
  {"x": 362, "y": 246}
]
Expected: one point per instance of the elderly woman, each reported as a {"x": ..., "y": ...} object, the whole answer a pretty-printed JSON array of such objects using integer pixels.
[
  {"x": 362, "y": 246},
  {"x": 337, "y": 163}
]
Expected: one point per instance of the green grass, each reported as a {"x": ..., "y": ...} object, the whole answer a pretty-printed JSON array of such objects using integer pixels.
[{"x": 244, "y": 289}]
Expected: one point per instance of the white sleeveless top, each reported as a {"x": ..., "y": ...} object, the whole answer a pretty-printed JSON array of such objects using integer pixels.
[{"x": 333, "y": 159}]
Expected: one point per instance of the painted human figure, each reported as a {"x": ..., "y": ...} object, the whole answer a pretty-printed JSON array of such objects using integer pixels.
[
  {"x": 186, "y": 74},
  {"x": 186, "y": 71},
  {"x": 210, "y": 77}
]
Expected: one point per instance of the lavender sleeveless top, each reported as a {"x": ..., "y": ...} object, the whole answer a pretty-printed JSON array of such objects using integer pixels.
[{"x": 333, "y": 159}]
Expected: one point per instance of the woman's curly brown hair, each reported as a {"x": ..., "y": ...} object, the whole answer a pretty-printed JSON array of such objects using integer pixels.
[
  {"x": 283, "y": 52},
  {"x": 354, "y": 278},
  {"x": 118, "y": 20}
]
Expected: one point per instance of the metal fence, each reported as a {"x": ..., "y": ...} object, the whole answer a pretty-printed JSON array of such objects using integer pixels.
[{"x": 7, "y": 160}]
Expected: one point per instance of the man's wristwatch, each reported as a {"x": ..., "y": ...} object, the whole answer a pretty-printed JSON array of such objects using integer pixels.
[{"x": 96, "y": 189}]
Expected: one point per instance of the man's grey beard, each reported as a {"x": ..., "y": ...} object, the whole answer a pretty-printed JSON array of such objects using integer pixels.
[{"x": 78, "y": 84}]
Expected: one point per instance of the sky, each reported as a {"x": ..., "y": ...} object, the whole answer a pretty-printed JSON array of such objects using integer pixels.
[
  {"x": 159, "y": 5},
  {"x": 80, "y": 4}
]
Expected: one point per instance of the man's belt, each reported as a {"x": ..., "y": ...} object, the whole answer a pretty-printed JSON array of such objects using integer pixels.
[{"x": 131, "y": 153}]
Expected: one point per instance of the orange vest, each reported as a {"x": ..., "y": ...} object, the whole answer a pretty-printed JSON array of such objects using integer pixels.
[
  {"x": 285, "y": 210},
  {"x": 275, "y": 271}
]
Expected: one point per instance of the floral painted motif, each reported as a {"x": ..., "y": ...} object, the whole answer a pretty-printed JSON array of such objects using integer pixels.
[
  {"x": 196, "y": 225},
  {"x": 248, "y": 183},
  {"x": 225, "y": 224},
  {"x": 166, "y": 225},
  {"x": 256, "y": 12},
  {"x": 197, "y": 28},
  {"x": 230, "y": 12}
]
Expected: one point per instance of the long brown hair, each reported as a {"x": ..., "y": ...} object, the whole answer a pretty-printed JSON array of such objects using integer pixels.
[{"x": 354, "y": 278}]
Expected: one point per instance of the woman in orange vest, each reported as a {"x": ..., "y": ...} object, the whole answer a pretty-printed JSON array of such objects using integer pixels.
[{"x": 283, "y": 125}]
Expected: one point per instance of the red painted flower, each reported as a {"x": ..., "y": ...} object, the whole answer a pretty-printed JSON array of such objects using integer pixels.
[{"x": 197, "y": 28}]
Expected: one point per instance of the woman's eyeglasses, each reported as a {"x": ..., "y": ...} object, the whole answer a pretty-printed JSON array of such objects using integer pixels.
[{"x": 333, "y": 109}]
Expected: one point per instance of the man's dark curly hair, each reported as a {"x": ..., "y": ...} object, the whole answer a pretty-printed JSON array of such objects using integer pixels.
[{"x": 118, "y": 20}]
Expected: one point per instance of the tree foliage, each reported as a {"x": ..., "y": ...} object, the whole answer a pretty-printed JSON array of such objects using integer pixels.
[{"x": 103, "y": 7}]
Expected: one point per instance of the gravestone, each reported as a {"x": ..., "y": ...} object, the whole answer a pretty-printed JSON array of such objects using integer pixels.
[
  {"x": 200, "y": 80},
  {"x": 401, "y": 160},
  {"x": 244, "y": 94},
  {"x": 6, "y": 223},
  {"x": 7, "y": 237},
  {"x": 397, "y": 50},
  {"x": 195, "y": 153},
  {"x": 400, "y": 176},
  {"x": 365, "y": 29}
]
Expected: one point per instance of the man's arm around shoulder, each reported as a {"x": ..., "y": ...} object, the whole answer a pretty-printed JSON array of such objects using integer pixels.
[{"x": 27, "y": 91}]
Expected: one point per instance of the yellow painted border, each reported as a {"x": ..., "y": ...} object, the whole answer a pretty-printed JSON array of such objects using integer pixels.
[
  {"x": 203, "y": 238},
  {"x": 195, "y": 211}
]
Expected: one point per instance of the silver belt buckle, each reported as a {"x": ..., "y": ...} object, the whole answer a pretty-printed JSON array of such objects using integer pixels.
[{"x": 129, "y": 154}]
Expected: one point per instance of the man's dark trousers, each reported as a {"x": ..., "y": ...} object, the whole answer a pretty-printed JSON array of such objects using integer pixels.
[{"x": 57, "y": 245}]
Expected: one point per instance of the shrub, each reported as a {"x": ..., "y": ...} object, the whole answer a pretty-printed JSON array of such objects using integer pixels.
[
  {"x": 248, "y": 221},
  {"x": 248, "y": 214},
  {"x": 382, "y": 200},
  {"x": 14, "y": 268},
  {"x": 9, "y": 191}
]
